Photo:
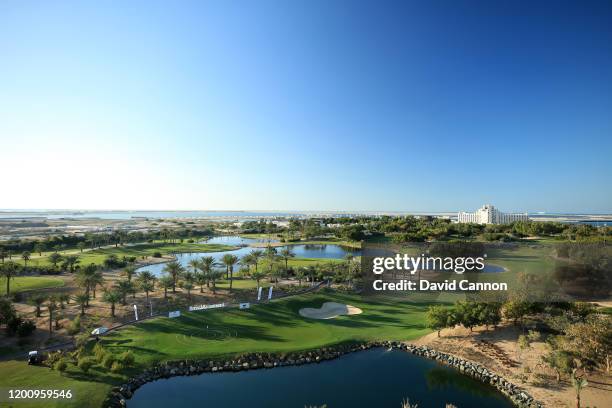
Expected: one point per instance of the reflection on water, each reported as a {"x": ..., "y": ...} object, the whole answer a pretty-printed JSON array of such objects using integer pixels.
[
  {"x": 326, "y": 251},
  {"x": 373, "y": 378}
]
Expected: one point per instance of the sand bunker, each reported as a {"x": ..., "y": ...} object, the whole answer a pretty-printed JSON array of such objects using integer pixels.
[{"x": 329, "y": 310}]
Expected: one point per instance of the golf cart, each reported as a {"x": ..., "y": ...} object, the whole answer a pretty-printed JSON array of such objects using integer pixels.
[{"x": 35, "y": 358}]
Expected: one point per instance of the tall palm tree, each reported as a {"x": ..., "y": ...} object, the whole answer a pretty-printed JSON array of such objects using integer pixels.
[
  {"x": 286, "y": 254},
  {"x": 194, "y": 264},
  {"x": 201, "y": 279},
  {"x": 82, "y": 300},
  {"x": 246, "y": 262},
  {"x": 270, "y": 256},
  {"x": 81, "y": 246},
  {"x": 166, "y": 282},
  {"x": 26, "y": 255},
  {"x": 258, "y": 275},
  {"x": 579, "y": 383},
  {"x": 38, "y": 301},
  {"x": 9, "y": 270},
  {"x": 124, "y": 287},
  {"x": 112, "y": 297},
  {"x": 207, "y": 263},
  {"x": 70, "y": 261},
  {"x": 255, "y": 256},
  {"x": 39, "y": 247},
  {"x": 55, "y": 258},
  {"x": 174, "y": 269},
  {"x": 299, "y": 275},
  {"x": 52, "y": 307},
  {"x": 129, "y": 272},
  {"x": 229, "y": 261},
  {"x": 146, "y": 281},
  {"x": 213, "y": 275},
  {"x": 188, "y": 286}
]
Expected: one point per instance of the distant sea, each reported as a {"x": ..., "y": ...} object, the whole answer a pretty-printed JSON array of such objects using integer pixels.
[
  {"x": 127, "y": 215},
  {"x": 592, "y": 219}
]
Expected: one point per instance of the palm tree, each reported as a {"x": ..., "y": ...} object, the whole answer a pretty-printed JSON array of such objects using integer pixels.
[
  {"x": 201, "y": 279},
  {"x": 26, "y": 255},
  {"x": 166, "y": 282},
  {"x": 207, "y": 263},
  {"x": 213, "y": 275},
  {"x": 63, "y": 298},
  {"x": 300, "y": 273},
  {"x": 82, "y": 300},
  {"x": 188, "y": 286},
  {"x": 174, "y": 269},
  {"x": 194, "y": 264},
  {"x": 3, "y": 254},
  {"x": 255, "y": 256},
  {"x": 9, "y": 270},
  {"x": 246, "y": 262},
  {"x": 39, "y": 247},
  {"x": 81, "y": 246},
  {"x": 579, "y": 383},
  {"x": 52, "y": 306},
  {"x": 287, "y": 253},
  {"x": 38, "y": 301},
  {"x": 124, "y": 287},
  {"x": 89, "y": 277},
  {"x": 55, "y": 258},
  {"x": 146, "y": 281},
  {"x": 112, "y": 297},
  {"x": 129, "y": 272},
  {"x": 71, "y": 261},
  {"x": 229, "y": 261},
  {"x": 271, "y": 256},
  {"x": 259, "y": 275}
]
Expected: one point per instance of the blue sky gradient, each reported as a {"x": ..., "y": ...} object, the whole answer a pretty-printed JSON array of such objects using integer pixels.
[{"x": 307, "y": 105}]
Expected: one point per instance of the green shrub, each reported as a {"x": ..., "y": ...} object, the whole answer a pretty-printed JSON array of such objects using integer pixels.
[
  {"x": 99, "y": 352},
  {"x": 127, "y": 358},
  {"x": 26, "y": 328},
  {"x": 117, "y": 367},
  {"x": 85, "y": 363},
  {"x": 157, "y": 254},
  {"x": 61, "y": 365},
  {"x": 75, "y": 326},
  {"x": 108, "y": 360}
]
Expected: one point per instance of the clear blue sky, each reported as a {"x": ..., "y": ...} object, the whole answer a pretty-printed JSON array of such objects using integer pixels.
[{"x": 306, "y": 105}]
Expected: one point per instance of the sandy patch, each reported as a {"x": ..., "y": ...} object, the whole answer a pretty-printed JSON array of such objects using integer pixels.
[
  {"x": 329, "y": 310},
  {"x": 460, "y": 342}
]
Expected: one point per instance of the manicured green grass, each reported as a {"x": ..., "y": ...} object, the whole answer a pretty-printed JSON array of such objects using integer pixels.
[
  {"x": 275, "y": 327},
  {"x": 97, "y": 256},
  {"x": 22, "y": 283}
]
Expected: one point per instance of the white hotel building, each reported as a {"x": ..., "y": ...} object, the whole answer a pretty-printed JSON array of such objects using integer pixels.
[{"x": 490, "y": 215}]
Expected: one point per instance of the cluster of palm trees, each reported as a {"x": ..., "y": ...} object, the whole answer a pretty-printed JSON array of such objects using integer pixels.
[{"x": 54, "y": 303}]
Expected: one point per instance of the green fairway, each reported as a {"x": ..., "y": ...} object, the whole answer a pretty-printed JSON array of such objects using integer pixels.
[
  {"x": 22, "y": 283},
  {"x": 275, "y": 327}
]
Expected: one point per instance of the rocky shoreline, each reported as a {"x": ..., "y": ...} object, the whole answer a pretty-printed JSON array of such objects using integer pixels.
[{"x": 118, "y": 396}]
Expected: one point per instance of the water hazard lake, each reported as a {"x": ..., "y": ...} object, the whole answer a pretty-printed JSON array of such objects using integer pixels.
[
  {"x": 325, "y": 251},
  {"x": 375, "y": 378}
]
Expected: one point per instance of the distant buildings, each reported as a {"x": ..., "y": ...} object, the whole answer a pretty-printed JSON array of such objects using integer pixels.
[{"x": 490, "y": 215}]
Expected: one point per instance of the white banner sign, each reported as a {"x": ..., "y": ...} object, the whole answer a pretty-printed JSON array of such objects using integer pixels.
[
  {"x": 270, "y": 293},
  {"x": 206, "y": 307},
  {"x": 176, "y": 313},
  {"x": 245, "y": 305},
  {"x": 259, "y": 293}
]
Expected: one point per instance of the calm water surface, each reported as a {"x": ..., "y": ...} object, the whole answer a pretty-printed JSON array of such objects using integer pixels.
[
  {"x": 328, "y": 251},
  {"x": 374, "y": 379}
]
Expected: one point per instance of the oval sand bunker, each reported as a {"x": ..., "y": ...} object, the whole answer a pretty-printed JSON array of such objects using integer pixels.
[{"x": 329, "y": 310}]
